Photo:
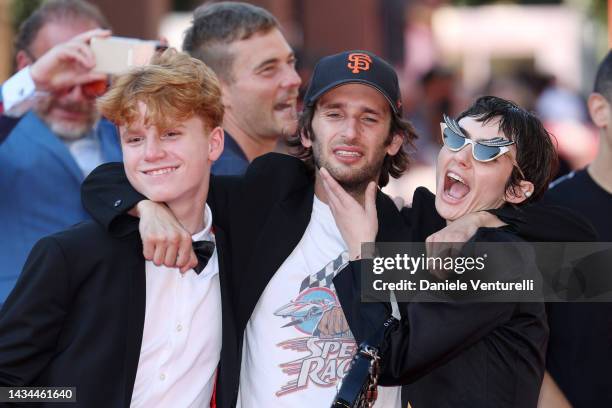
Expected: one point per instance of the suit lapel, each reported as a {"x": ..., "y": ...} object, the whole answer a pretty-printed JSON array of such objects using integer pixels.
[
  {"x": 135, "y": 310},
  {"x": 38, "y": 133},
  {"x": 277, "y": 240}
]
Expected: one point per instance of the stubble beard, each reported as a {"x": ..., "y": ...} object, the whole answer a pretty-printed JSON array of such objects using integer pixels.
[
  {"x": 66, "y": 130},
  {"x": 353, "y": 181}
]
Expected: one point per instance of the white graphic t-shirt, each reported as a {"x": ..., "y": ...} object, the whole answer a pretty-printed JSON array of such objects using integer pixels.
[{"x": 297, "y": 343}]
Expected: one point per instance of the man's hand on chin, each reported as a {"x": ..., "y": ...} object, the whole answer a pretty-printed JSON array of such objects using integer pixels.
[{"x": 164, "y": 240}]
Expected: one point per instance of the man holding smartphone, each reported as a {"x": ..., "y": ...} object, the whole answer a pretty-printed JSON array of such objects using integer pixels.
[{"x": 52, "y": 129}]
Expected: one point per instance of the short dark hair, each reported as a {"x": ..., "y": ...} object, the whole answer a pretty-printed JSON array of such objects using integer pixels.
[
  {"x": 603, "y": 79},
  {"x": 54, "y": 10},
  {"x": 217, "y": 25},
  {"x": 535, "y": 152},
  {"x": 393, "y": 166}
]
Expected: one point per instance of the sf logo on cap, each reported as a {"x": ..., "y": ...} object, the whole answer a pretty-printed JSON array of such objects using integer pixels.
[{"x": 359, "y": 62}]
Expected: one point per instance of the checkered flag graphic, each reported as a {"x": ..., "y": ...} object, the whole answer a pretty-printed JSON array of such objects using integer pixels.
[{"x": 325, "y": 276}]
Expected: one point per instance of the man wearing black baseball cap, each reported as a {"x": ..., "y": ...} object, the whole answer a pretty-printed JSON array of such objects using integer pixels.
[
  {"x": 358, "y": 67},
  {"x": 282, "y": 246},
  {"x": 292, "y": 342}
]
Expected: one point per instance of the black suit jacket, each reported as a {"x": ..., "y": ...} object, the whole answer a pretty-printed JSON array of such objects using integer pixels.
[
  {"x": 263, "y": 216},
  {"x": 76, "y": 315}
]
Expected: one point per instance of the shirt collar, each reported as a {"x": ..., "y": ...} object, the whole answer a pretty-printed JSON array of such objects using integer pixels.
[
  {"x": 231, "y": 145},
  {"x": 206, "y": 233}
]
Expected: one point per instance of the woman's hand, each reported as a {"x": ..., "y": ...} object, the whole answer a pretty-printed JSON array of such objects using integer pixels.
[{"x": 356, "y": 223}]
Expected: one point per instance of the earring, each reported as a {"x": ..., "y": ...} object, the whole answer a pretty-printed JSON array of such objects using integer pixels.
[{"x": 527, "y": 194}]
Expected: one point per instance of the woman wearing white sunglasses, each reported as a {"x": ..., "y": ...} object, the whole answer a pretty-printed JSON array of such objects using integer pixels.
[{"x": 460, "y": 354}]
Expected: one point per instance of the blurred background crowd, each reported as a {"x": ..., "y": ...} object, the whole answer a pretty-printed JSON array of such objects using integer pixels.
[{"x": 542, "y": 54}]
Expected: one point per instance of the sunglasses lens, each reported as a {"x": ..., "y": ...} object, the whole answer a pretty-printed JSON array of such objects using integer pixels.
[
  {"x": 94, "y": 89},
  {"x": 452, "y": 140},
  {"x": 485, "y": 153}
]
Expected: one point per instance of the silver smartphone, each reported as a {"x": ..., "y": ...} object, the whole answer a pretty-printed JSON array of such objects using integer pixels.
[{"x": 116, "y": 55}]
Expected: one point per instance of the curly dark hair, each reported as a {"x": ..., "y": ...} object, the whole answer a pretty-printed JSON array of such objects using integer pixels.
[{"x": 393, "y": 166}]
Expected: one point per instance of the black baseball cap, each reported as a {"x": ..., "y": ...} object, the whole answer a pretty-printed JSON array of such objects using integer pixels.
[{"x": 361, "y": 67}]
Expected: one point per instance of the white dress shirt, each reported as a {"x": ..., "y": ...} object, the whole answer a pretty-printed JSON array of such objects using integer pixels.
[
  {"x": 18, "y": 93},
  {"x": 181, "y": 342}
]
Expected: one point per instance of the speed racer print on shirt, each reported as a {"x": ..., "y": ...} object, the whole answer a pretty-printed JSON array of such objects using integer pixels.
[{"x": 316, "y": 327}]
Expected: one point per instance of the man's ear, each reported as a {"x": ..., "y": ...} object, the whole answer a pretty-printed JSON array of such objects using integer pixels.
[
  {"x": 520, "y": 193},
  {"x": 306, "y": 141},
  {"x": 22, "y": 59},
  {"x": 599, "y": 109},
  {"x": 395, "y": 145},
  {"x": 215, "y": 143}
]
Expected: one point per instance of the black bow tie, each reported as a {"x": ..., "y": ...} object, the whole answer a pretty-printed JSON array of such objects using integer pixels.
[{"x": 203, "y": 251}]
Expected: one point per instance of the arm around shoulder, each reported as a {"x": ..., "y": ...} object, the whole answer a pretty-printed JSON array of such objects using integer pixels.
[{"x": 108, "y": 196}]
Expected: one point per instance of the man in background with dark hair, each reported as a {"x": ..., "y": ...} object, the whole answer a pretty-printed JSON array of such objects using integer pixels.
[
  {"x": 579, "y": 358},
  {"x": 54, "y": 137},
  {"x": 243, "y": 44}
]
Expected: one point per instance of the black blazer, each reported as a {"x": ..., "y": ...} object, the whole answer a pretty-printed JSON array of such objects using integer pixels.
[
  {"x": 76, "y": 315},
  {"x": 263, "y": 216}
]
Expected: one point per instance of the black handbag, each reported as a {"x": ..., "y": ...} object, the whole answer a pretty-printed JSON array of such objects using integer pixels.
[{"x": 359, "y": 387}]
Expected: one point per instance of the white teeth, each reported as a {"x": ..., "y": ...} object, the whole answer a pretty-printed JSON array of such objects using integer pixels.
[
  {"x": 347, "y": 153},
  {"x": 161, "y": 171},
  {"x": 455, "y": 177}
]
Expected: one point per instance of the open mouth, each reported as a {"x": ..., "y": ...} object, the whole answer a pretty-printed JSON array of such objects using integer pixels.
[
  {"x": 161, "y": 171},
  {"x": 455, "y": 186},
  {"x": 284, "y": 106},
  {"x": 348, "y": 154}
]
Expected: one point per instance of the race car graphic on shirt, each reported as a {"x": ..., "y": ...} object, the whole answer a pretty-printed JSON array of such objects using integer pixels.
[{"x": 324, "y": 337}]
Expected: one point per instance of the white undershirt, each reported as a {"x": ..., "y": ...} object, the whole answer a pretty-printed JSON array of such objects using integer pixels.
[
  {"x": 86, "y": 151},
  {"x": 181, "y": 341},
  {"x": 289, "y": 359}
]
